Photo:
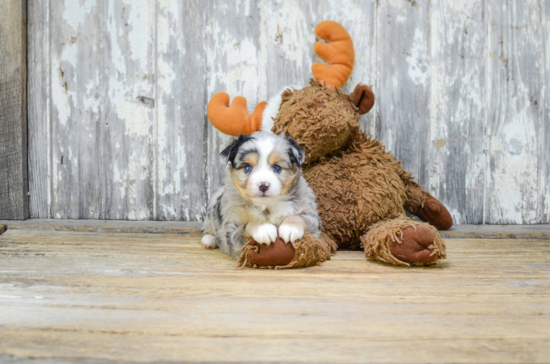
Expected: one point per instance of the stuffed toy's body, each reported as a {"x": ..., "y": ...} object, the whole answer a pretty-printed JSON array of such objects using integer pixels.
[{"x": 362, "y": 190}]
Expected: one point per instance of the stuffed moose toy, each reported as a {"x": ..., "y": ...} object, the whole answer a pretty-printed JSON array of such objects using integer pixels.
[{"x": 362, "y": 190}]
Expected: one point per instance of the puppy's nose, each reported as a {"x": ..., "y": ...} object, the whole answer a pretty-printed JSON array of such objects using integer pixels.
[{"x": 264, "y": 186}]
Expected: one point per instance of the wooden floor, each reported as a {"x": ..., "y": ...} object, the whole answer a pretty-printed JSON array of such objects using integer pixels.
[{"x": 71, "y": 297}]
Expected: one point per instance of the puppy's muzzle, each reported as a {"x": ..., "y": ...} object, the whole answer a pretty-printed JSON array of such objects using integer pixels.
[{"x": 263, "y": 186}]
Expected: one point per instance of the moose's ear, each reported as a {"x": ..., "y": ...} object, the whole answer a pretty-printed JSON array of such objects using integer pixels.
[
  {"x": 295, "y": 152},
  {"x": 363, "y": 98},
  {"x": 230, "y": 152}
]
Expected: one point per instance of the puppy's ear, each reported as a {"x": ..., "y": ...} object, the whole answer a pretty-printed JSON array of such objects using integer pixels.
[
  {"x": 230, "y": 152},
  {"x": 224, "y": 155},
  {"x": 295, "y": 152}
]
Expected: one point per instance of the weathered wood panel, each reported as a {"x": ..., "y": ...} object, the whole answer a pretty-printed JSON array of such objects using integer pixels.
[
  {"x": 122, "y": 133},
  {"x": 404, "y": 51},
  {"x": 514, "y": 106},
  {"x": 39, "y": 102},
  {"x": 545, "y": 133},
  {"x": 180, "y": 159},
  {"x": 456, "y": 161},
  {"x": 13, "y": 110},
  {"x": 102, "y": 78}
]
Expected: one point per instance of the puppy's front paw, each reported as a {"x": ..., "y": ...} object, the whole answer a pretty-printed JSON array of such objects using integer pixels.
[
  {"x": 265, "y": 233},
  {"x": 291, "y": 232},
  {"x": 209, "y": 242}
]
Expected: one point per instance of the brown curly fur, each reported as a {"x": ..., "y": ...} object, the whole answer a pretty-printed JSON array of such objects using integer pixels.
[
  {"x": 321, "y": 119},
  {"x": 309, "y": 251},
  {"x": 356, "y": 187},
  {"x": 377, "y": 240},
  {"x": 415, "y": 196}
]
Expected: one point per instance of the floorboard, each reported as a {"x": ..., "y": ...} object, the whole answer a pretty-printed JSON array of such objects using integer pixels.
[
  {"x": 540, "y": 231},
  {"x": 81, "y": 297}
]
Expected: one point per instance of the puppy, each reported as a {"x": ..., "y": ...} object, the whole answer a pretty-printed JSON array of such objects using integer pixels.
[{"x": 264, "y": 195}]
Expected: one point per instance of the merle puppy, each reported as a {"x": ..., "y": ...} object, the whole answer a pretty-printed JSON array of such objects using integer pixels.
[{"x": 264, "y": 195}]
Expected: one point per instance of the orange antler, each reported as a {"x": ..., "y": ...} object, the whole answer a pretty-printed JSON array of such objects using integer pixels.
[
  {"x": 234, "y": 119},
  {"x": 338, "y": 53}
]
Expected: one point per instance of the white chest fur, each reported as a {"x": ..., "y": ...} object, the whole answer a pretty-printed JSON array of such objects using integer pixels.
[{"x": 275, "y": 212}]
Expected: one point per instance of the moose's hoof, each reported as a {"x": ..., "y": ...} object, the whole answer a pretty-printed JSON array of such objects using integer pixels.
[
  {"x": 414, "y": 247},
  {"x": 435, "y": 213},
  {"x": 278, "y": 253}
]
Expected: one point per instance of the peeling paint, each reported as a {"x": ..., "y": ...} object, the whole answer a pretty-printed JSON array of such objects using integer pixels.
[
  {"x": 417, "y": 59},
  {"x": 75, "y": 12},
  {"x": 440, "y": 143},
  {"x": 460, "y": 98}
]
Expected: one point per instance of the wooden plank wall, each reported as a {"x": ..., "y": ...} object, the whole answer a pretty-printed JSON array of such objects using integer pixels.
[
  {"x": 118, "y": 91},
  {"x": 13, "y": 110}
]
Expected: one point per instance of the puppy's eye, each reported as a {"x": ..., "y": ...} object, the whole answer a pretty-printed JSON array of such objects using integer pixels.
[
  {"x": 277, "y": 168},
  {"x": 247, "y": 169}
]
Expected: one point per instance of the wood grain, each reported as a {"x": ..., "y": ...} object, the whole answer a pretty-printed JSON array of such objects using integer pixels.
[
  {"x": 102, "y": 73},
  {"x": 405, "y": 83},
  {"x": 456, "y": 165},
  {"x": 13, "y": 110},
  {"x": 181, "y": 121},
  {"x": 179, "y": 227},
  {"x": 39, "y": 103},
  {"x": 108, "y": 226},
  {"x": 545, "y": 132},
  {"x": 82, "y": 297},
  {"x": 455, "y": 103},
  {"x": 514, "y": 107}
]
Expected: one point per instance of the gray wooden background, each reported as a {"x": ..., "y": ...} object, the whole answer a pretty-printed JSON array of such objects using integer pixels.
[
  {"x": 118, "y": 91},
  {"x": 13, "y": 110}
]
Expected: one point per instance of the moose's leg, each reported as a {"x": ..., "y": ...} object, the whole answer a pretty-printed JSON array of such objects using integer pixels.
[
  {"x": 427, "y": 208},
  {"x": 304, "y": 252},
  {"x": 422, "y": 204},
  {"x": 402, "y": 241},
  {"x": 435, "y": 213}
]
